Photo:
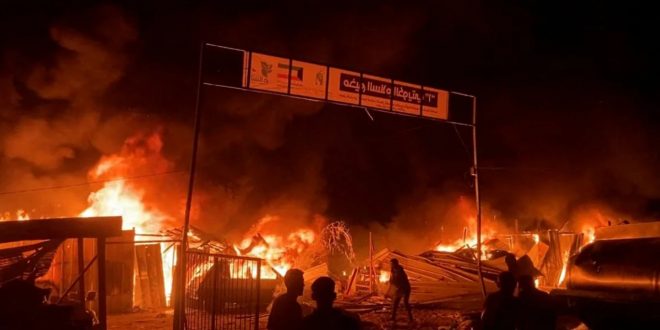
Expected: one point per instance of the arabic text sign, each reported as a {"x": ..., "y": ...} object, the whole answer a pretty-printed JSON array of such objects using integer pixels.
[{"x": 282, "y": 75}]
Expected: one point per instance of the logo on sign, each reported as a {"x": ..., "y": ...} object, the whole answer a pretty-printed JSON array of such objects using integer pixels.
[
  {"x": 266, "y": 69},
  {"x": 319, "y": 78}
]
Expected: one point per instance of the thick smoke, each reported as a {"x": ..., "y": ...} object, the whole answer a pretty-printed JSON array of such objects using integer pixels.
[
  {"x": 54, "y": 119},
  {"x": 553, "y": 152}
]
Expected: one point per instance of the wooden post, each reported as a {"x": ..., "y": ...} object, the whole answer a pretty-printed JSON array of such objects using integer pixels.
[
  {"x": 81, "y": 270},
  {"x": 103, "y": 319}
]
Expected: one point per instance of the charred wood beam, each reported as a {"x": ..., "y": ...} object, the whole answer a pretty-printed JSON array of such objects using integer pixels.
[{"x": 96, "y": 227}]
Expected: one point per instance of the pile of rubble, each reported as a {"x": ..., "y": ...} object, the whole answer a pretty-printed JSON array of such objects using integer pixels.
[{"x": 435, "y": 277}]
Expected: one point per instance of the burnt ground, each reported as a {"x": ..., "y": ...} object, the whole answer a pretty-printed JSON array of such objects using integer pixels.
[
  {"x": 142, "y": 319},
  {"x": 430, "y": 318}
]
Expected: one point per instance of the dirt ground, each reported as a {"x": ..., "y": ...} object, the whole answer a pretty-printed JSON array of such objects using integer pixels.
[
  {"x": 142, "y": 319},
  {"x": 425, "y": 319}
]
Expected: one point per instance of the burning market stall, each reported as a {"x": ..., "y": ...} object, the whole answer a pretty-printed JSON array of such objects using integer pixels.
[{"x": 18, "y": 264}]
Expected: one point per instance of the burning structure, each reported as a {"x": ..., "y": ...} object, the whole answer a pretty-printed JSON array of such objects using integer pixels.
[{"x": 94, "y": 106}]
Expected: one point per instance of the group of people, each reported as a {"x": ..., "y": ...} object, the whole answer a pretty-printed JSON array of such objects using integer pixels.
[
  {"x": 530, "y": 308},
  {"x": 287, "y": 314}
]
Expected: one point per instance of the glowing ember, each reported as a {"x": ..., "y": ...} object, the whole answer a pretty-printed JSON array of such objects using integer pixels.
[
  {"x": 589, "y": 232},
  {"x": 21, "y": 215},
  {"x": 384, "y": 276}
]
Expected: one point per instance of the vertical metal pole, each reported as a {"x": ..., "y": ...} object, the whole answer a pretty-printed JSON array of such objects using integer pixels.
[
  {"x": 103, "y": 319},
  {"x": 81, "y": 270},
  {"x": 477, "y": 197},
  {"x": 371, "y": 264},
  {"x": 180, "y": 296},
  {"x": 215, "y": 285},
  {"x": 256, "y": 311}
]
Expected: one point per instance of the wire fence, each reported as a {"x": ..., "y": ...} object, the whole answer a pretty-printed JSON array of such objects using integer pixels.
[{"x": 222, "y": 292}]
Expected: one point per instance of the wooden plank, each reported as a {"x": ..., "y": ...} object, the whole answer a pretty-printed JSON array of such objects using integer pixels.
[
  {"x": 156, "y": 279},
  {"x": 150, "y": 275},
  {"x": 60, "y": 228},
  {"x": 120, "y": 264},
  {"x": 103, "y": 319},
  {"x": 143, "y": 275}
]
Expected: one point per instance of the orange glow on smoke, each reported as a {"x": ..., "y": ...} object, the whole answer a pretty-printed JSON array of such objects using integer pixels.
[
  {"x": 139, "y": 155},
  {"x": 120, "y": 196}
]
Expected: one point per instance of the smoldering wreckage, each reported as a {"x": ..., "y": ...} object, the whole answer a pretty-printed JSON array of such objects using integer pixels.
[
  {"x": 71, "y": 273},
  {"x": 615, "y": 270}
]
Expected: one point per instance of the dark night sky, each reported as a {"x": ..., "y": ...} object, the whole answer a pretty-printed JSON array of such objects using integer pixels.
[{"x": 567, "y": 101}]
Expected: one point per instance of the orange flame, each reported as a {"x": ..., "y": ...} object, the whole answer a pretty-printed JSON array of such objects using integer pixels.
[
  {"x": 121, "y": 197},
  {"x": 383, "y": 276},
  {"x": 279, "y": 251},
  {"x": 21, "y": 215},
  {"x": 469, "y": 238}
]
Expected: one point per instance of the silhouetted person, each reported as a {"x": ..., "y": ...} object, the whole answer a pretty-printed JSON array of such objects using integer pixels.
[
  {"x": 525, "y": 267},
  {"x": 326, "y": 317},
  {"x": 401, "y": 285},
  {"x": 501, "y": 308},
  {"x": 538, "y": 309},
  {"x": 510, "y": 261},
  {"x": 286, "y": 313}
]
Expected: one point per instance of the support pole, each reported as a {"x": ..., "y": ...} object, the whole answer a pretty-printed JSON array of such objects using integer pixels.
[
  {"x": 179, "y": 307},
  {"x": 103, "y": 313},
  {"x": 372, "y": 272},
  {"x": 477, "y": 197},
  {"x": 81, "y": 271}
]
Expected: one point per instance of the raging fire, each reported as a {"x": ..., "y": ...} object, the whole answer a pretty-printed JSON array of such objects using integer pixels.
[
  {"x": 119, "y": 196},
  {"x": 279, "y": 251}
]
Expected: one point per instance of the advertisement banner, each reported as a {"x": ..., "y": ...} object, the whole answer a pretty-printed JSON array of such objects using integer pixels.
[
  {"x": 407, "y": 98},
  {"x": 376, "y": 92},
  {"x": 344, "y": 86},
  {"x": 293, "y": 77},
  {"x": 308, "y": 79},
  {"x": 269, "y": 73},
  {"x": 435, "y": 103}
]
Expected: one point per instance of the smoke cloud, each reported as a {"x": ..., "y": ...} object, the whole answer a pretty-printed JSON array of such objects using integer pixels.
[{"x": 553, "y": 152}]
